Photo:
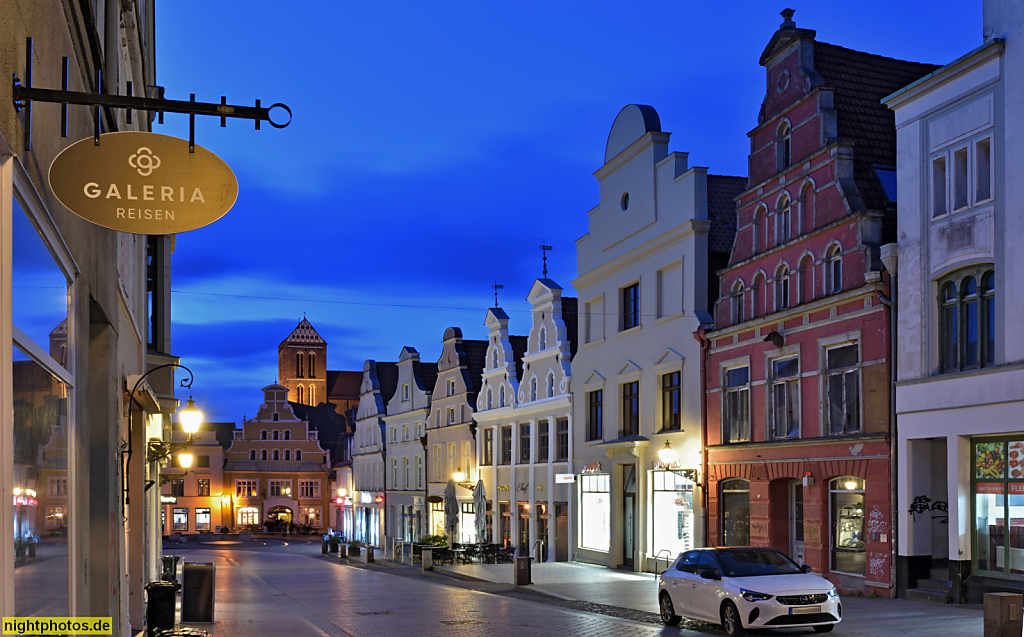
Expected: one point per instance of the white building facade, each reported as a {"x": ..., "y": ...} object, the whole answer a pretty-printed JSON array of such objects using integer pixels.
[
  {"x": 361, "y": 502},
  {"x": 404, "y": 427},
  {"x": 960, "y": 369},
  {"x": 524, "y": 429},
  {"x": 643, "y": 292}
]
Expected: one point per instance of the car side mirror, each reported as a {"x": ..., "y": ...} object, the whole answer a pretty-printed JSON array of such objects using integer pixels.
[
  {"x": 710, "y": 573},
  {"x": 806, "y": 568}
]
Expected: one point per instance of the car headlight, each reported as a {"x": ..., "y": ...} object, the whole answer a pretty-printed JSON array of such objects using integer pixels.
[
  {"x": 833, "y": 592},
  {"x": 753, "y": 596}
]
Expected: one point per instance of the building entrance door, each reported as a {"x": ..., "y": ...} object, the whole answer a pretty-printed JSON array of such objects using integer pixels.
[
  {"x": 796, "y": 521},
  {"x": 561, "y": 533},
  {"x": 628, "y": 515}
]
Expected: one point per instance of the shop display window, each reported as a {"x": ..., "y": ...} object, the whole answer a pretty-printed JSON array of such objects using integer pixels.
[
  {"x": 595, "y": 512},
  {"x": 846, "y": 495},
  {"x": 998, "y": 490},
  {"x": 671, "y": 513}
]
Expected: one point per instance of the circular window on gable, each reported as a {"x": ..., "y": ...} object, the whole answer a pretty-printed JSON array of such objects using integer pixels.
[
  {"x": 625, "y": 200},
  {"x": 783, "y": 82}
]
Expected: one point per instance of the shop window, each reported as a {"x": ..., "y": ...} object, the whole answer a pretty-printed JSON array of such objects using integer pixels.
[
  {"x": 203, "y": 520},
  {"x": 595, "y": 512},
  {"x": 843, "y": 389},
  {"x": 997, "y": 482},
  {"x": 180, "y": 519},
  {"x": 595, "y": 415},
  {"x": 671, "y": 416},
  {"x": 672, "y": 512},
  {"x": 967, "y": 319},
  {"x": 736, "y": 407},
  {"x": 735, "y": 512},
  {"x": 248, "y": 516},
  {"x": 630, "y": 409},
  {"x": 785, "y": 397},
  {"x": 846, "y": 495}
]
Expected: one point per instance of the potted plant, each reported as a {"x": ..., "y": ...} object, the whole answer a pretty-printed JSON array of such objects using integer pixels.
[
  {"x": 333, "y": 543},
  {"x": 32, "y": 540},
  {"x": 353, "y": 547}
]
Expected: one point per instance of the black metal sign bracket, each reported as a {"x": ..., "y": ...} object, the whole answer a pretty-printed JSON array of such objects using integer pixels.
[{"x": 25, "y": 94}]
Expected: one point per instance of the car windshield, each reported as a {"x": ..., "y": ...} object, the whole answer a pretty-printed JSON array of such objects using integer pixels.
[{"x": 748, "y": 562}]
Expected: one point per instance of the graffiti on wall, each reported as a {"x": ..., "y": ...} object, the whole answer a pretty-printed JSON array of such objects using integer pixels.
[
  {"x": 877, "y": 523},
  {"x": 878, "y": 564},
  {"x": 923, "y": 504}
]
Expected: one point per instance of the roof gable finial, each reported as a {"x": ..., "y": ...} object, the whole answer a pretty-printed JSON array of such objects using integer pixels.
[
  {"x": 544, "y": 249},
  {"x": 787, "y": 19},
  {"x": 496, "y": 288}
]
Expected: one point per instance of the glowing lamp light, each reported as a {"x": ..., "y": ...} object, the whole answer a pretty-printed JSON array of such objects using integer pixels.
[
  {"x": 185, "y": 460},
  {"x": 342, "y": 492},
  {"x": 190, "y": 417},
  {"x": 379, "y": 499},
  {"x": 225, "y": 499},
  {"x": 17, "y": 490},
  {"x": 667, "y": 455},
  {"x": 850, "y": 485},
  {"x": 459, "y": 475}
]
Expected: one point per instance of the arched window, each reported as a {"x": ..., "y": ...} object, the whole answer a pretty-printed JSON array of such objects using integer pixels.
[
  {"x": 737, "y": 302},
  {"x": 300, "y": 392},
  {"x": 287, "y": 434},
  {"x": 757, "y": 242},
  {"x": 806, "y": 279},
  {"x": 287, "y": 454},
  {"x": 494, "y": 359},
  {"x": 735, "y": 512},
  {"x": 277, "y": 435},
  {"x": 263, "y": 455},
  {"x": 833, "y": 270},
  {"x": 551, "y": 385},
  {"x": 312, "y": 394},
  {"x": 298, "y": 365},
  {"x": 967, "y": 319},
  {"x": 533, "y": 388},
  {"x": 807, "y": 207},
  {"x": 756, "y": 294},
  {"x": 783, "y": 146},
  {"x": 782, "y": 221},
  {"x": 501, "y": 396},
  {"x": 277, "y": 454},
  {"x": 490, "y": 398},
  {"x": 263, "y": 434},
  {"x": 298, "y": 454},
  {"x": 543, "y": 339},
  {"x": 782, "y": 288},
  {"x": 312, "y": 364},
  {"x": 252, "y": 454}
]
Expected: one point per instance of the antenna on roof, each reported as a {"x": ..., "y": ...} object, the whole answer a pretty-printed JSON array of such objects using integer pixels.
[
  {"x": 496, "y": 288},
  {"x": 544, "y": 249}
]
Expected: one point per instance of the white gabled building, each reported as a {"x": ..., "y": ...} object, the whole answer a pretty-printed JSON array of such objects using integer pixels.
[
  {"x": 524, "y": 428},
  {"x": 960, "y": 368},
  {"x": 363, "y": 514},
  {"x": 643, "y": 290}
]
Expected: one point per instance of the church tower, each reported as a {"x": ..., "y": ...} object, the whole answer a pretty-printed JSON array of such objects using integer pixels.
[{"x": 302, "y": 365}]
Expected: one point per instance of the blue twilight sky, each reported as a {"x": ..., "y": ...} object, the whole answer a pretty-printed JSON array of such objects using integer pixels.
[{"x": 435, "y": 145}]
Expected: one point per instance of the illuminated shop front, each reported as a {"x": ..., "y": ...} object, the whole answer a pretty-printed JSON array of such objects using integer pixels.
[
  {"x": 671, "y": 514},
  {"x": 595, "y": 512},
  {"x": 997, "y": 483}
]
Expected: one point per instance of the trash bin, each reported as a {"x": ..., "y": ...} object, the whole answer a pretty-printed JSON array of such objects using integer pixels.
[
  {"x": 522, "y": 572},
  {"x": 160, "y": 607},
  {"x": 197, "y": 592},
  {"x": 170, "y": 572}
]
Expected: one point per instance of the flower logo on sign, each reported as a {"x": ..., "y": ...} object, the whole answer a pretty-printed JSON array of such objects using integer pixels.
[{"x": 144, "y": 161}]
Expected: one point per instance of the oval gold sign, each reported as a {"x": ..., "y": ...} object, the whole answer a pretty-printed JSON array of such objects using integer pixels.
[{"x": 144, "y": 183}]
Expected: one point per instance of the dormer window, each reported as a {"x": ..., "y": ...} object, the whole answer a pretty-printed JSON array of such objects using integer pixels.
[
  {"x": 783, "y": 147},
  {"x": 276, "y": 417},
  {"x": 451, "y": 387}
]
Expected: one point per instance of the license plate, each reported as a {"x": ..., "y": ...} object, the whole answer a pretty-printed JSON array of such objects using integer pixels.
[{"x": 805, "y": 610}]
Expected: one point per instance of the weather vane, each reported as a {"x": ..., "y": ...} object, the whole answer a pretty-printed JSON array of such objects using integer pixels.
[
  {"x": 544, "y": 249},
  {"x": 496, "y": 288}
]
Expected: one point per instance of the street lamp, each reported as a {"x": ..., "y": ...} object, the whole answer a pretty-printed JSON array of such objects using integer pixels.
[{"x": 460, "y": 478}]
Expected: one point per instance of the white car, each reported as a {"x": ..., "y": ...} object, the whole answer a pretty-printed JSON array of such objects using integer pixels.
[{"x": 744, "y": 587}]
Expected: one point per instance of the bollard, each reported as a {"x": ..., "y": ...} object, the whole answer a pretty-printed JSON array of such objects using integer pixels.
[
  {"x": 1004, "y": 614},
  {"x": 369, "y": 554},
  {"x": 522, "y": 575},
  {"x": 427, "y": 559}
]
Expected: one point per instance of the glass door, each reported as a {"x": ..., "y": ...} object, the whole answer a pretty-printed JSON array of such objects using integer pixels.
[
  {"x": 796, "y": 521},
  {"x": 628, "y": 515}
]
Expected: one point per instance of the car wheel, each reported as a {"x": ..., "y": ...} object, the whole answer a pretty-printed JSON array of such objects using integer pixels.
[
  {"x": 731, "y": 619},
  {"x": 668, "y": 612},
  {"x": 824, "y": 628}
]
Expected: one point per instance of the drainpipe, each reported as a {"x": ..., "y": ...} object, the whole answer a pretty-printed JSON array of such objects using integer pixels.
[
  {"x": 704, "y": 349},
  {"x": 890, "y": 259}
]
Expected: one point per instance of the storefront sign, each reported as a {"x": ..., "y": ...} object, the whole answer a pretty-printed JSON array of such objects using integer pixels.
[
  {"x": 168, "y": 499},
  {"x": 503, "y": 487},
  {"x": 143, "y": 183},
  {"x": 593, "y": 467},
  {"x": 565, "y": 478}
]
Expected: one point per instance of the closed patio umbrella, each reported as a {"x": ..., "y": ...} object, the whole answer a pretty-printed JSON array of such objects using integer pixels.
[
  {"x": 451, "y": 513},
  {"x": 480, "y": 505}
]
